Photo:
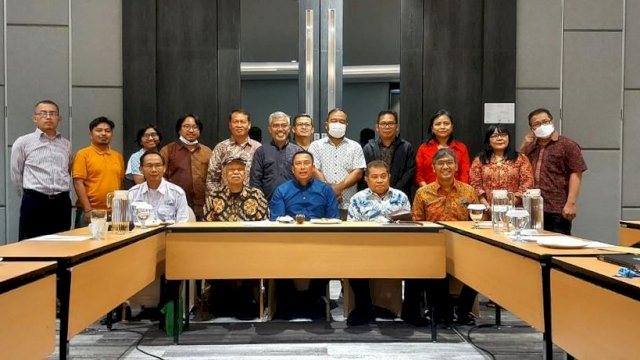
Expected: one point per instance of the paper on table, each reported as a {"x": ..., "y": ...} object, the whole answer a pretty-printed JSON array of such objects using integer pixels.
[
  {"x": 257, "y": 223},
  {"x": 599, "y": 245},
  {"x": 556, "y": 238},
  {"x": 55, "y": 237}
]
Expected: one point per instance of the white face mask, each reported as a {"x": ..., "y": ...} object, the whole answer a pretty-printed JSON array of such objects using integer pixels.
[
  {"x": 187, "y": 142},
  {"x": 337, "y": 130},
  {"x": 544, "y": 131}
]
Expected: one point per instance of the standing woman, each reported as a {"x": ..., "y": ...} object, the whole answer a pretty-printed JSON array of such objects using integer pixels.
[
  {"x": 499, "y": 166},
  {"x": 148, "y": 138},
  {"x": 441, "y": 130},
  {"x": 188, "y": 161}
]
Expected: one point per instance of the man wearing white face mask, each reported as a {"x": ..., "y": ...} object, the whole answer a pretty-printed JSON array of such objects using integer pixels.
[
  {"x": 557, "y": 168},
  {"x": 339, "y": 161}
]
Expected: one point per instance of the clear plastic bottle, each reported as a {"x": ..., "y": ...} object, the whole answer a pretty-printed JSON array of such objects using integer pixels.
[{"x": 534, "y": 203}]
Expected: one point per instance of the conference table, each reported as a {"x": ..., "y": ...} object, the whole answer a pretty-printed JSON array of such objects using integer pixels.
[
  {"x": 515, "y": 275},
  {"x": 94, "y": 276},
  {"x": 28, "y": 303},
  {"x": 629, "y": 233},
  {"x": 267, "y": 250},
  {"x": 594, "y": 314}
]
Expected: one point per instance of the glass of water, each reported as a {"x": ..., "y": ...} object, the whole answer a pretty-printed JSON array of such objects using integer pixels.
[
  {"x": 476, "y": 211},
  {"x": 519, "y": 220},
  {"x": 143, "y": 213}
]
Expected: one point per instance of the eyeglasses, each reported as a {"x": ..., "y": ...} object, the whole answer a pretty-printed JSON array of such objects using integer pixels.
[
  {"x": 448, "y": 163},
  {"x": 150, "y": 136},
  {"x": 279, "y": 126},
  {"x": 543, "y": 122},
  {"x": 44, "y": 114},
  {"x": 304, "y": 125},
  {"x": 499, "y": 135},
  {"x": 152, "y": 166},
  {"x": 387, "y": 124},
  {"x": 190, "y": 127}
]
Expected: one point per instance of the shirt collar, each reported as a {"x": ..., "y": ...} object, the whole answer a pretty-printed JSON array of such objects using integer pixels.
[
  {"x": 162, "y": 189},
  {"x": 276, "y": 146},
  {"x": 372, "y": 195},
  {"x": 40, "y": 133},
  {"x": 300, "y": 186},
  {"x": 227, "y": 192},
  {"x": 99, "y": 151},
  {"x": 246, "y": 143},
  {"x": 455, "y": 185},
  {"x": 184, "y": 146}
]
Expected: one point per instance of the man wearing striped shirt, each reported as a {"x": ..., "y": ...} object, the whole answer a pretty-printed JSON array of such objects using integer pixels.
[{"x": 40, "y": 164}]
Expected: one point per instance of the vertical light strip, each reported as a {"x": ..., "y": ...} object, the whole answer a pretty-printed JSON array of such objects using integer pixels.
[
  {"x": 561, "y": 115},
  {"x": 331, "y": 60},
  {"x": 622, "y": 114},
  {"x": 7, "y": 152},
  {"x": 70, "y": 27},
  {"x": 308, "y": 61}
]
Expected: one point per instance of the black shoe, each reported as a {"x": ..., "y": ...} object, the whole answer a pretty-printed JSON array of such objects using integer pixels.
[
  {"x": 466, "y": 319},
  {"x": 383, "y": 313},
  {"x": 417, "y": 321},
  {"x": 318, "y": 309},
  {"x": 359, "y": 317}
]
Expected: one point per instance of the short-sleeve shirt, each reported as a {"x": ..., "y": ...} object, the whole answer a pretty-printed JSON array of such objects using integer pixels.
[
  {"x": 133, "y": 165},
  {"x": 337, "y": 161},
  {"x": 366, "y": 205},
  {"x": 433, "y": 203},
  {"x": 166, "y": 199},
  {"x": 552, "y": 165},
  {"x": 247, "y": 205},
  {"x": 101, "y": 171}
]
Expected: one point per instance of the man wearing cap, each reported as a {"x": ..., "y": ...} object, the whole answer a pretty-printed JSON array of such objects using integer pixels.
[{"x": 233, "y": 201}]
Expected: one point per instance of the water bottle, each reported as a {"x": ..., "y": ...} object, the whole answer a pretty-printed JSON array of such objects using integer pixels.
[{"x": 533, "y": 202}]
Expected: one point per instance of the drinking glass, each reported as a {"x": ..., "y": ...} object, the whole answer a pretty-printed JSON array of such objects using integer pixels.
[
  {"x": 98, "y": 226},
  {"x": 143, "y": 213},
  {"x": 519, "y": 220},
  {"x": 475, "y": 212},
  {"x": 98, "y": 216}
]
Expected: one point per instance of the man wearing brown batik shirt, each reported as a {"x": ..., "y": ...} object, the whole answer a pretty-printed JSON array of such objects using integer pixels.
[{"x": 557, "y": 169}]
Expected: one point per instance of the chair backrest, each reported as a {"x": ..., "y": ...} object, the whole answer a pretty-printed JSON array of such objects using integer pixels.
[{"x": 192, "y": 215}]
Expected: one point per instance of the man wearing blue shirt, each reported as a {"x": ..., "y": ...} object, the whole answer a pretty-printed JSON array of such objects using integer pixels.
[
  {"x": 374, "y": 203},
  {"x": 315, "y": 200}
]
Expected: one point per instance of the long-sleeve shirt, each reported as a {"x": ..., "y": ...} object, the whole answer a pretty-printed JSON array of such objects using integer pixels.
[
  {"x": 424, "y": 169},
  {"x": 226, "y": 149},
  {"x": 168, "y": 200},
  {"x": 515, "y": 176},
  {"x": 316, "y": 200},
  {"x": 271, "y": 166},
  {"x": 41, "y": 164},
  {"x": 433, "y": 203}
]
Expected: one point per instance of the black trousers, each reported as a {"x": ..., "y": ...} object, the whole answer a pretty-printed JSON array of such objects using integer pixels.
[
  {"x": 556, "y": 223},
  {"x": 437, "y": 296},
  {"x": 42, "y": 214}
]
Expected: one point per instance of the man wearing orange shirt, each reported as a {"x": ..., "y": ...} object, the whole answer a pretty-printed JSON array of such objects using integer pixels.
[{"x": 97, "y": 170}]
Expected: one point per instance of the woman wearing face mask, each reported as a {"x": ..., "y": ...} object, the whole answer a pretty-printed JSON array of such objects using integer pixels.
[
  {"x": 441, "y": 130},
  {"x": 188, "y": 161},
  {"x": 499, "y": 166},
  {"x": 148, "y": 138}
]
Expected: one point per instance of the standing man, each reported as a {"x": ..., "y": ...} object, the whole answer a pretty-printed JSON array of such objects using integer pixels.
[
  {"x": 557, "y": 170},
  {"x": 233, "y": 201},
  {"x": 303, "y": 130},
  {"x": 40, "y": 164},
  {"x": 375, "y": 204},
  {"x": 238, "y": 145},
  {"x": 271, "y": 165},
  {"x": 397, "y": 153},
  {"x": 339, "y": 161},
  {"x": 187, "y": 161},
  {"x": 97, "y": 170},
  {"x": 314, "y": 199},
  {"x": 168, "y": 200}
]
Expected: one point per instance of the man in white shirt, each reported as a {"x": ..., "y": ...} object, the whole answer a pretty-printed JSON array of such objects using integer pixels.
[{"x": 339, "y": 161}]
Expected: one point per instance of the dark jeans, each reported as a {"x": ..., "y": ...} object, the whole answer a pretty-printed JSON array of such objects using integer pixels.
[
  {"x": 42, "y": 214},
  {"x": 556, "y": 223}
]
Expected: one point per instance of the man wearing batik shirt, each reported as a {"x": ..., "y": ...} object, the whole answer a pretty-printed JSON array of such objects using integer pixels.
[
  {"x": 445, "y": 199},
  {"x": 557, "y": 170},
  {"x": 374, "y": 204},
  {"x": 238, "y": 145},
  {"x": 233, "y": 201},
  {"x": 339, "y": 161}
]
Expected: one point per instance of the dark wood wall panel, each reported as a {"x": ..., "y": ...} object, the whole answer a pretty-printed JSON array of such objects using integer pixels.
[
  {"x": 139, "y": 68},
  {"x": 187, "y": 64},
  {"x": 499, "y": 59},
  {"x": 229, "y": 95},
  {"x": 453, "y": 65},
  {"x": 411, "y": 65}
]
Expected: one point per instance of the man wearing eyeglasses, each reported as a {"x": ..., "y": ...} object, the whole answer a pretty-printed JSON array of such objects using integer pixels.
[
  {"x": 396, "y": 152},
  {"x": 168, "y": 200},
  {"x": 303, "y": 131},
  {"x": 557, "y": 170},
  {"x": 97, "y": 170},
  {"x": 40, "y": 164},
  {"x": 271, "y": 165}
]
